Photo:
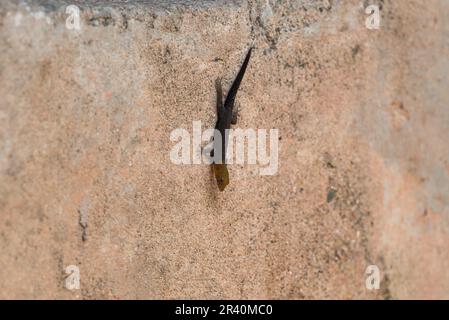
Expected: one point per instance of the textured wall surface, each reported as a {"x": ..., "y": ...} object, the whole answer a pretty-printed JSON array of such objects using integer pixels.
[{"x": 86, "y": 177}]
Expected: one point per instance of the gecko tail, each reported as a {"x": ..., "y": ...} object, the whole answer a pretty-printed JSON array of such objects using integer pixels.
[{"x": 230, "y": 98}]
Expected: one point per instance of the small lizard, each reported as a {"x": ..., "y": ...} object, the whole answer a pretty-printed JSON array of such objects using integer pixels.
[{"x": 225, "y": 117}]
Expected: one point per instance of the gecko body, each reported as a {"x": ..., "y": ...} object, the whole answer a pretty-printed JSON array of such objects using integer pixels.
[{"x": 226, "y": 115}]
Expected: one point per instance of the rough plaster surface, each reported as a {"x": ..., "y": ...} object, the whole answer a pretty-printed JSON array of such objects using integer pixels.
[{"x": 86, "y": 178}]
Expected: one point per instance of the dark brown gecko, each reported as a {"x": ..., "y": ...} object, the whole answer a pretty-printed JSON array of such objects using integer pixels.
[{"x": 225, "y": 117}]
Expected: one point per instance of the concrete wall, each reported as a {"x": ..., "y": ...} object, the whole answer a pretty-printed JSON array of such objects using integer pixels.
[{"x": 86, "y": 177}]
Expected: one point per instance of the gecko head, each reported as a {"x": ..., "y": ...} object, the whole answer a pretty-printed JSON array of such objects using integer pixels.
[{"x": 221, "y": 175}]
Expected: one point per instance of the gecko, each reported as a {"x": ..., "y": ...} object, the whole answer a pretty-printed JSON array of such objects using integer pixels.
[{"x": 226, "y": 115}]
